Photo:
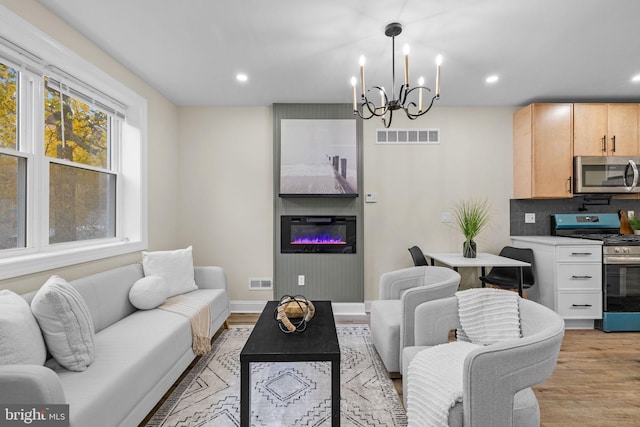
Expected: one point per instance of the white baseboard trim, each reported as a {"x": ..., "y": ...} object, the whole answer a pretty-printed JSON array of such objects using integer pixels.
[
  {"x": 247, "y": 306},
  {"x": 341, "y": 310}
]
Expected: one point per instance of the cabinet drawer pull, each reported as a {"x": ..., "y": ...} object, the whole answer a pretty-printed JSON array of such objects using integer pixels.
[
  {"x": 581, "y": 305},
  {"x": 581, "y": 253},
  {"x": 582, "y": 277}
]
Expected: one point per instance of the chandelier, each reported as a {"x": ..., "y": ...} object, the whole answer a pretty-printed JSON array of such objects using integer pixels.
[{"x": 405, "y": 100}]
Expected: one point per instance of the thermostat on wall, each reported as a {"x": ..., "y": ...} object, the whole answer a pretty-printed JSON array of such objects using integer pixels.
[{"x": 371, "y": 197}]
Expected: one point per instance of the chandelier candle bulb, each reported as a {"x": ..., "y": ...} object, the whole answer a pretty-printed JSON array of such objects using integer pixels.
[
  {"x": 420, "y": 84},
  {"x": 362, "y": 60},
  {"x": 406, "y": 65},
  {"x": 353, "y": 85},
  {"x": 438, "y": 63}
]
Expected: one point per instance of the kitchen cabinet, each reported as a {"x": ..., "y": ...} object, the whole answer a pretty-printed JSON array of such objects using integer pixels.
[
  {"x": 542, "y": 151},
  {"x": 568, "y": 277},
  {"x": 605, "y": 130}
]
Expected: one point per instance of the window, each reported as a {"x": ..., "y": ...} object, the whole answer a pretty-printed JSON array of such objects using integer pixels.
[
  {"x": 72, "y": 147},
  {"x": 82, "y": 202}
]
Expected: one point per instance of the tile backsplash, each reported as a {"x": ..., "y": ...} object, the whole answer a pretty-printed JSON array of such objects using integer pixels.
[{"x": 544, "y": 208}]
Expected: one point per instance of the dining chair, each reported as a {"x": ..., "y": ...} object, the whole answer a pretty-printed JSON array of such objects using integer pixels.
[
  {"x": 509, "y": 277},
  {"x": 417, "y": 256}
]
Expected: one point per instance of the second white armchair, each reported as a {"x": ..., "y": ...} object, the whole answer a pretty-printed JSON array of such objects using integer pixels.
[{"x": 392, "y": 315}]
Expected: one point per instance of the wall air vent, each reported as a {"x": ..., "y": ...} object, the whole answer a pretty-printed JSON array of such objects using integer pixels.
[
  {"x": 407, "y": 136},
  {"x": 260, "y": 284}
]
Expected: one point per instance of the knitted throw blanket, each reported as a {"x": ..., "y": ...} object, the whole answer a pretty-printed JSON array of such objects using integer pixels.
[
  {"x": 488, "y": 316},
  {"x": 199, "y": 315},
  {"x": 435, "y": 383}
]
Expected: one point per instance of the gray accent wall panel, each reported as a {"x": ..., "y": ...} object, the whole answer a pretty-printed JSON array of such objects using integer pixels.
[{"x": 334, "y": 277}]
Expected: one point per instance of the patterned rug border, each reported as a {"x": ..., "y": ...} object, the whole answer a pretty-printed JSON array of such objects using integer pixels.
[{"x": 176, "y": 395}]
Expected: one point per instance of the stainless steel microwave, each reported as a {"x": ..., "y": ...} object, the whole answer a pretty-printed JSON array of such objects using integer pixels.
[{"x": 605, "y": 174}]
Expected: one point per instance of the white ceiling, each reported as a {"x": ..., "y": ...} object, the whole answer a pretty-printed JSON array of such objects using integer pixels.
[{"x": 306, "y": 51}]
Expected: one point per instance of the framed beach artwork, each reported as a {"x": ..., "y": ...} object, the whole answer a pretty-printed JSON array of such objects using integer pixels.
[{"x": 318, "y": 158}]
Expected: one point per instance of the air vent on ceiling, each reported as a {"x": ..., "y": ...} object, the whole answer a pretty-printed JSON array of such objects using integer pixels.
[
  {"x": 407, "y": 136},
  {"x": 260, "y": 284}
]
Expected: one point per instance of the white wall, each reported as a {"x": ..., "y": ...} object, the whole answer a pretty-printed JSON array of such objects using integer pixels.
[
  {"x": 226, "y": 183},
  {"x": 226, "y": 192},
  {"x": 162, "y": 147},
  {"x": 416, "y": 183}
]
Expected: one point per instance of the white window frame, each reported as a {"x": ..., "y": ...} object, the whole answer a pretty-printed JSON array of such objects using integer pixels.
[{"x": 38, "y": 51}]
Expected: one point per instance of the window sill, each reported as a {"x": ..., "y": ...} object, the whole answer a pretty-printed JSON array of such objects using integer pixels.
[{"x": 35, "y": 263}]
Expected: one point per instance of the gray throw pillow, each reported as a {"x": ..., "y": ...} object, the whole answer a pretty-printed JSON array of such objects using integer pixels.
[{"x": 66, "y": 323}]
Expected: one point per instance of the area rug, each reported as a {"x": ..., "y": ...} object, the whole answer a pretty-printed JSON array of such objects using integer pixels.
[{"x": 285, "y": 394}]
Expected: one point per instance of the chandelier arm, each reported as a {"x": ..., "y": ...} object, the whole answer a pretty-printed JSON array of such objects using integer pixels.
[
  {"x": 384, "y": 120},
  {"x": 422, "y": 113},
  {"x": 406, "y": 91},
  {"x": 409, "y": 113},
  {"x": 371, "y": 106}
]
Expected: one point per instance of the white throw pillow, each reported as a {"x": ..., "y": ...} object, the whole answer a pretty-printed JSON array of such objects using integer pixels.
[
  {"x": 66, "y": 323},
  {"x": 149, "y": 292},
  {"x": 176, "y": 267},
  {"x": 20, "y": 337}
]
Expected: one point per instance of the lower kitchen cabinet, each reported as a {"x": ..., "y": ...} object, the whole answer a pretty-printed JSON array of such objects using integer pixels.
[{"x": 568, "y": 277}]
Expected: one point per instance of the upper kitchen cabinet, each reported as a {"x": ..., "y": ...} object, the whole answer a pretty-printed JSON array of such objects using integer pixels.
[
  {"x": 605, "y": 130},
  {"x": 542, "y": 151}
]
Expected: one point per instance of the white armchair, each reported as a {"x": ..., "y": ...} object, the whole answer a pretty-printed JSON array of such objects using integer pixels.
[
  {"x": 392, "y": 315},
  {"x": 497, "y": 377}
]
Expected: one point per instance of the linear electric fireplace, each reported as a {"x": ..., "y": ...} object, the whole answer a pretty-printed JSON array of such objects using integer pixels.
[{"x": 317, "y": 234}]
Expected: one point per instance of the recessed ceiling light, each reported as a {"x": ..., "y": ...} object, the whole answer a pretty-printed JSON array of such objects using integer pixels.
[
  {"x": 636, "y": 78},
  {"x": 241, "y": 77},
  {"x": 492, "y": 79}
]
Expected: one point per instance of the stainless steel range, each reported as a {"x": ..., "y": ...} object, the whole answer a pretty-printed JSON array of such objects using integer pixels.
[{"x": 620, "y": 266}]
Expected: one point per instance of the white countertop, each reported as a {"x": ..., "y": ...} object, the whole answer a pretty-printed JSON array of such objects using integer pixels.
[{"x": 556, "y": 240}]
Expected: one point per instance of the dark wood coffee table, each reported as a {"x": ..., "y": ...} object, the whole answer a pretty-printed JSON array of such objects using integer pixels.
[{"x": 267, "y": 343}]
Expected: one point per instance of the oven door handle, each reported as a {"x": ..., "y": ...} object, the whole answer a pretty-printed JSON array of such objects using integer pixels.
[
  {"x": 631, "y": 164},
  {"x": 621, "y": 260}
]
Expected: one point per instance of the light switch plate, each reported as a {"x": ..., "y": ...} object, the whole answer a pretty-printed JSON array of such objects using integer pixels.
[
  {"x": 446, "y": 217},
  {"x": 530, "y": 218}
]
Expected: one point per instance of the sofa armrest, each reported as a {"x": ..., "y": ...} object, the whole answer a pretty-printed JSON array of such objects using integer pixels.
[
  {"x": 210, "y": 277},
  {"x": 30, "y": 384}
]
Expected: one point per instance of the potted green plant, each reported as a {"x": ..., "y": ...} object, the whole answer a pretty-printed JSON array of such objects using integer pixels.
[
  {"x": 472, "y": 216},
  {"x": 635, "y": 224}
]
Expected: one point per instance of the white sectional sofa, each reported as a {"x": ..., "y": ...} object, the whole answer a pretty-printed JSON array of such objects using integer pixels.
[{"x": 139, "y": 354}]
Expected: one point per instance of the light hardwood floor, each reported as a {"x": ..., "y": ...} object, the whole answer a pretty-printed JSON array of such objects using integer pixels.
[{"x": 596, "y": 381}]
